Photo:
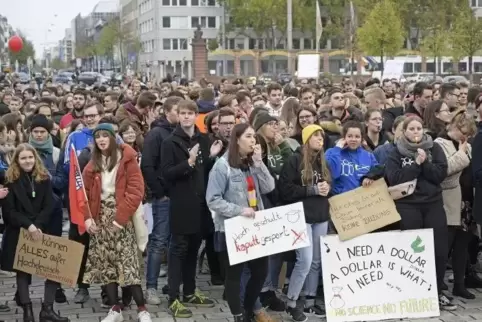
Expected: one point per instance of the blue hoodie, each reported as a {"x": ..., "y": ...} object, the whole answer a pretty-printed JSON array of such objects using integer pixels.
[
  {"x": 348, "y": 167},
  {"x": 205, "y": 107}
]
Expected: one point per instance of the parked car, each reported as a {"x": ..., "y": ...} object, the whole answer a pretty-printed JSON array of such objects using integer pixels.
[
  {"x": 91, "y": 78},
  {"x": 63, "y": 78},
  {"x": 454, "y": 79},
  {"x": 284, "y": 78},
  {"x": 24, "y": 78}
]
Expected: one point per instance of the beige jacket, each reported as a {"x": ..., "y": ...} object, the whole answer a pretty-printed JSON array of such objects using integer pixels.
[{"x": 451, "y": 193}]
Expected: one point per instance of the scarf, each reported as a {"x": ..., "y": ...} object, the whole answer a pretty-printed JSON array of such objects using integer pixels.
[
  {"x": 44, "y": 148},
  {"x": 409, "y": 149}
]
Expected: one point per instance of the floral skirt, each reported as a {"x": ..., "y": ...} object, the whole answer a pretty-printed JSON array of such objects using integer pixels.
[{"x": 113, "y": 256}]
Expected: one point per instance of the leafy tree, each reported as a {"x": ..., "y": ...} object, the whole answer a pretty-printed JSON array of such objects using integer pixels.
[
  {"x": 27, "y": 51},
  {"x": 213, "y": 44},
  {"x": 376, "y": 37},
  {"x": 466, "y": 38},
  {"x": 56, "y": 63}
]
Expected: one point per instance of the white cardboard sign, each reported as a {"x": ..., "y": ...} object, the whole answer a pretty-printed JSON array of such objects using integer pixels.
[
  {"x": 272, "y": 231},
  {"x": 389, "y": 275}
]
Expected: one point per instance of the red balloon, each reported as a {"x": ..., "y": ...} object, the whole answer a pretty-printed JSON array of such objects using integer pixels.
[{"x": 15, "y": 44}]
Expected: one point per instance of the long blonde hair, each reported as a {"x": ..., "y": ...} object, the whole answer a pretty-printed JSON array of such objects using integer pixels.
[
  {"x": 39, "y": 172},
  {"x": 309, "y": 157}
]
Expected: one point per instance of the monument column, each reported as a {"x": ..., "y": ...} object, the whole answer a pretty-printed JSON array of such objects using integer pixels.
[{"x": 199, "y": 55}]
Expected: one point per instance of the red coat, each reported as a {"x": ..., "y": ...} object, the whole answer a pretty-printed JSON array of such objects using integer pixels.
[{"x": 129, "y": 187}]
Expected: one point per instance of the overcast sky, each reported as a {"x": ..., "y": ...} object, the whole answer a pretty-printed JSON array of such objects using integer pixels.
[{"x": 34, "y": 17}]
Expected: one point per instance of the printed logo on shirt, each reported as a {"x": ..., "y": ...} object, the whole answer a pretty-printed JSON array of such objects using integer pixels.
[
  {"x": 315, "y": 179},
  {"x": 407, "y": 161},
  {"x": 349, "y": 168},
  {"x": 274, "y": 160}
]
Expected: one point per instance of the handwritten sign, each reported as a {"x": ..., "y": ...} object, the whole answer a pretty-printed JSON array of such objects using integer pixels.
[
  {"x": 380, "y": 276},
  {"x": 363, "y": 210},
  {"x": 272, "y": 231},
  {"x": 55, "y": 258}
]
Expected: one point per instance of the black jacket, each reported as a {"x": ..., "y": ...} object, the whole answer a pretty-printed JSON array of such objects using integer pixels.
[
  {"x": 477, "y": 175},
  {"x": 186, "y": 185},
  {"x": 292, "y": 189},
  {"x": 389, "y": 115},
  {"x": 412, "y": 111},
  {"x": 429, "y": 175},
  {"x": 151, "y": 156},
  {"x": 20, "y": 210}
]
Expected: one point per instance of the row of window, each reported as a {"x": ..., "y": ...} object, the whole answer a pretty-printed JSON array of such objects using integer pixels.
[
  {"x": 148, "y": 46},
  {"x": 183, "y": 22},
  {"x": 193, "y": 3},
  {"x": 476, "y": 3},
  {"x": 175, "y": 44},
  {"x": 145, "y": 6},
  {"x": 146, "y": 26}
]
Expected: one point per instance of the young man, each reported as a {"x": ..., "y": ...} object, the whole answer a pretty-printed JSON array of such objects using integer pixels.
[
  {"x": 80, "y": 98},
  {"x": 150, "y": 165},
  {"x": 186, "y": 160},
  {"x": 422, "y": 95},
  {"x": 275, "y": 99},
  {"x": 140, "y": 113}
]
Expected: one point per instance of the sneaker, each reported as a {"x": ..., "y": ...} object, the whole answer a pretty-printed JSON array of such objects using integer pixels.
[
  {"x": 178, "y": 310},
  {"x": 446, "y": 304},
  {"x": 270, "y": 300},
  {"x": 4, "y": 308},
  {"x": 113, "y": 316},
  {"x": 82, "y": 296},
  {"x": 197, "y": 299},
  {"x": 60, "y": 296},
  {"x": 162, "y": 272},
  {"x": 165, "y": 289},
  {"x": 315, "y": 310},
  {"x": 296, "y": 314},
  {"x": 262, "y": 316},
  {"x": 152, "y": 297},
  {"x": 144, "y": 316}
]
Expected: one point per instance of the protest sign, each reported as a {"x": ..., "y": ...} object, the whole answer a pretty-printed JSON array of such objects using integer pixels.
[
  {"x": 55, "y": 258},
  {"x": 380, "y": 276},
  {"x": 363, "y": 210},
  {"x": 272, "y": 231}
]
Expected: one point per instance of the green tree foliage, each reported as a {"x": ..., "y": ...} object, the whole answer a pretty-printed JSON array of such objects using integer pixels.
[
  {"x": 376, "y": 37},
  {"x": 27, "y": 51},
  {"x": 465, "y": 37},
  {"x": 212, "y": 44},
  {"x": 266, "y": 18},
  {"x": 56, "y": 63}
]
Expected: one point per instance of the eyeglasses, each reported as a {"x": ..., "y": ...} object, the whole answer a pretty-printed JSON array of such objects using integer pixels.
[
  {"x": 338, "y": 98},
  {"x": 90, "y": 116}
]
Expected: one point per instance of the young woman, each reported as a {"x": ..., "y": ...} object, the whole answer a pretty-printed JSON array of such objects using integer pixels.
[
  {"x": 128, "y": 132},
  {"x": 436, "y": 116},
  {"x": 236, "y": 183},
  {"x": 115, "y": 189},
  {"x": 305, "y": 116},
  {"x": 351, "y": 166},
  {"x": 374, "y": 136},
  {"x": 458, "y": 153},
  {"x": 305, "y": 177},
  {"x": 28, "y": 205},
  {"x": 417, "y": 157}
]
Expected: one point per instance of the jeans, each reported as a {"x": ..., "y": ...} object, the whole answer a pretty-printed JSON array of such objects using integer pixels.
[
  {"x": 245, "y": 276},
  {"x": 308, "y": 263},
  {"x": 158, "y": 241},
  {"x": 275, "y": 262},
  {"x": 183, "y": 250}
]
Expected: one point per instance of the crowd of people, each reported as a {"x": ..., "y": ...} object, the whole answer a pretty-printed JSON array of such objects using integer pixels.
[{"x": 200, "y": 153}]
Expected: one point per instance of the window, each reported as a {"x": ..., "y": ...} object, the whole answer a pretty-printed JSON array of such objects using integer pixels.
[
  {"x": 166, "y": 44},
  {"x": 166, "y": 22},
  {"x": 166, "y": 2},
  {"x": 175, "y": 44},
  {"x": 173, "y": 2},
  {"x": 296, "y": 43},
  {"x": 175, "y": 22},
  {"x": 203, "y": 3},
  {"x": 211, "y": 22},
  {"x": 252, "y": 43},
  {"x": 307, "y": 43},
  {"x": 231, "y": 44},
  {"x": 183, "y": 2}
]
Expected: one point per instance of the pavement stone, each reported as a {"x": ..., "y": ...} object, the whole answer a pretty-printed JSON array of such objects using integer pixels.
[{"x": 469, "y": 310}]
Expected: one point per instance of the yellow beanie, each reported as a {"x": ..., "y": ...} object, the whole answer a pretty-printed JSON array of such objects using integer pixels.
[{"x": 308, "y": 132}]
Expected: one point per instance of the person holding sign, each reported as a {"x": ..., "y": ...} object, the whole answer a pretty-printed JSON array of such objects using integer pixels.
[
  {"x": 416, "y": 157},
  {"x": 115, "y": 188},
  {"x": 305, "y": 177},
  {"x": 236, "y": 183},
  {"x": 29, "y": 205}
]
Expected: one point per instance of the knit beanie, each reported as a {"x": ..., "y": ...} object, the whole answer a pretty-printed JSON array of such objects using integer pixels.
[
  {"x": 308, "y": 132},
  {"x": 261, "y": 119},
  {"x": 40, "y": 120},
  {"x": 104, "y": 127}
]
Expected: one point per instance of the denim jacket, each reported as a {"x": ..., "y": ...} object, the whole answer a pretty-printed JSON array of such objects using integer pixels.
[{"x": 227, "y": 192}]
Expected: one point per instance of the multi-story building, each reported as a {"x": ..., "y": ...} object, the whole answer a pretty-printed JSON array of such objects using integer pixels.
[
  {"x": 67, "y": 44},
  {"x": 477, "y": 6},
  {"x": 6, "y": 31}
]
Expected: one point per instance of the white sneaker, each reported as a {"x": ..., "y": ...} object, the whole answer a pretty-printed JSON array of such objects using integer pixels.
[
  {"x": 152, "y": 297},
  {"x": 144, "y": 316},
  {"x": 113, "y": 316}
]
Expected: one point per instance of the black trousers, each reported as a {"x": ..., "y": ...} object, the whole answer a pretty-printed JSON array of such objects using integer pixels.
[
  {"x": 458, "y": 244},
  {"x": 23, "y": 282},
  {"x": 232, "y": 282},
  {"x": 428, "y": 215},
  {"x": 213, "y": 258},
  {"x": 84, "y": 240},
  {"x": 182, "y": 263}
]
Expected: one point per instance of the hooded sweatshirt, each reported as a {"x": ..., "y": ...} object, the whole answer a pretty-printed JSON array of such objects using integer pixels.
[
  {"x": 205, "y": 107},
  {"x": 349, "y": 167}
]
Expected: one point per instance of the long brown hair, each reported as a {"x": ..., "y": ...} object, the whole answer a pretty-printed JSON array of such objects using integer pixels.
[
  {"x": 39, "y": 172},
  {"x": 298, "y": 128},
  {"x": 234, "y": 159},
  {"x": 112, "y": 156},
  {"x": 309, "y": 157}
]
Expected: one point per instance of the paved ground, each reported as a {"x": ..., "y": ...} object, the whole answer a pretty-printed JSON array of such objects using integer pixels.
[{"x": 92, "y": 312}]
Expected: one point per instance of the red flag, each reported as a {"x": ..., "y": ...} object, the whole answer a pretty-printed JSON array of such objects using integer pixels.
[{"x": 77, "y": 196}]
